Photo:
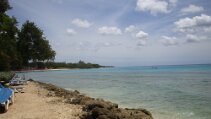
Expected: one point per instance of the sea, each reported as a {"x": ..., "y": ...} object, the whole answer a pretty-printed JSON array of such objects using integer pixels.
[{"x": 168, "y": 92}]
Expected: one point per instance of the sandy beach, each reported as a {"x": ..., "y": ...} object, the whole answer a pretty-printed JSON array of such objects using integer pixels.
[
  {"x": 35, "y": 104},
  {"x": 46, "y": 101}
]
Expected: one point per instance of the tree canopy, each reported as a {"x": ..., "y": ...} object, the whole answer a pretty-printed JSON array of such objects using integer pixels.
[
  {"x": 18, "y": 47},
  {"x": 8, "y": 33},
  {"x": 4, "y": 6},
  {"x": 32, "y": 45}
]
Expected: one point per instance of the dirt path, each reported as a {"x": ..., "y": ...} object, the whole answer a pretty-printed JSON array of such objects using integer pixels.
[{"x": 34, "y": 104}]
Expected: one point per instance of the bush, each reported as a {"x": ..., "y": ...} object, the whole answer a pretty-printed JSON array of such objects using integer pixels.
[{"x": 6, "y": 76}]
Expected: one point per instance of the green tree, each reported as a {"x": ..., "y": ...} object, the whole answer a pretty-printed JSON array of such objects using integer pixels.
[
  {"x": 4, "y": 6},
  {"x": 44, "y": 50},
  {"x": 32, "y": 45},
  {"x": 28, "y": 35},
  {"x": 4, "y": 64},
  {"x": 8, "y": 36},
  {"x": 17, "y": 48}
]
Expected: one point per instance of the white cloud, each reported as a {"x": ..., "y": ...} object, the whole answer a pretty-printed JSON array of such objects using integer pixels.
[
  {"x": 81, "y": 23},
  {"x": 106, "y": 30},
  {"x": 142, "y": 35},
  {"x": 195, "y": 38},
  {"x": 70, "y": 31},
  {"x": 194, "y": 29},
  {"x": 130, "y": 29},
  {"x": 169, "y": 41},
  {"x": 142, "y": 38},
  {"x": 195, "y": 24},
  {"x": 153, "y": 6},
  {"x": 192, "y": 9}
]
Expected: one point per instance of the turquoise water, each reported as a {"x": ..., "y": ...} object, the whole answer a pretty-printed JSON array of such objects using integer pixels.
[{"x": 169, "y": 92}]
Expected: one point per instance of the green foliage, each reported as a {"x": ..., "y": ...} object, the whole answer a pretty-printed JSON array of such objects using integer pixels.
[
  {"x": 6, "y": 76},
  {"x": 4, "y": 64},
  {"x": 4, "y": 6},
  {"x": 80, "y": 65},
  {"x": 17, "y": 48},
  {"x": 8, "y": 49},
  {"x": 28, "y": 34},
  {"x": 32, "y": 45}
]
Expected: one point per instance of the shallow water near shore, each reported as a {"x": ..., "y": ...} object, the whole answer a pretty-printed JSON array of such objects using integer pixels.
[{"x": 169, "y": 92}]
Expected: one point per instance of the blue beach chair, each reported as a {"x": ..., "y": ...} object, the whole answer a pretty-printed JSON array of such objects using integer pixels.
[{"x": 6, "y": 97}]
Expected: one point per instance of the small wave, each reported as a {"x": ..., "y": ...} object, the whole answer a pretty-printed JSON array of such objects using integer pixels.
[
  {"x": 70, "y": 89},
  {"x": 185, "y": 114}
]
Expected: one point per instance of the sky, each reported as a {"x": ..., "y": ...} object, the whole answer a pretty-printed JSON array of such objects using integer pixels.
[{"x": 122, "y": 32}]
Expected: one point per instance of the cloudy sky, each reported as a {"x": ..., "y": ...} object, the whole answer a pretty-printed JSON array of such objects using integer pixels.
[{"x": 123, "y": 32}]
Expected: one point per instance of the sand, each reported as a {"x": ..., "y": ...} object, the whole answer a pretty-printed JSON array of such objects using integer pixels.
[{"x": 35, "y": 104}]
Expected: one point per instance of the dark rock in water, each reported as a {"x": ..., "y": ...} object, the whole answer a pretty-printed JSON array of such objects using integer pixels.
[
  {"x": 146, "y": 112},
  {"x": 92, "y": 105},
  {"x": 76, "y": 91},
  {"x": 30, "y": 80}
]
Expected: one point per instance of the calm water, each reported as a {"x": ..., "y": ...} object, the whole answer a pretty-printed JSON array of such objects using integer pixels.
[{"x": 169, "y": 92}]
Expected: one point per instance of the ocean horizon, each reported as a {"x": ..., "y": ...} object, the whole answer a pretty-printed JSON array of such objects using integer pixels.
[{"x": 167, "y": 91}]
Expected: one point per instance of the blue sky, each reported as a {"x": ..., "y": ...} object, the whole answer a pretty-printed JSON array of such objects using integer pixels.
[{"x": 123, "y": 32}]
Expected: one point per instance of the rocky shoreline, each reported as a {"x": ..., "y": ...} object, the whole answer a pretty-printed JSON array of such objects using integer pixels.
[{"x": 95, "y": 108}]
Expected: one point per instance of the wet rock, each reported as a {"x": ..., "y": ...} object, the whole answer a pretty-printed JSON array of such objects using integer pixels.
[
  {"x": 76, "y": 91},
  {"x": 30, "y": 80},
  {"x": 92, "y": 105}
]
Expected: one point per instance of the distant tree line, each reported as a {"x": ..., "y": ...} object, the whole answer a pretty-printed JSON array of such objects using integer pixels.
[
  {"x": 57, "y": 65},
  {"x": 19, "y": 47}
]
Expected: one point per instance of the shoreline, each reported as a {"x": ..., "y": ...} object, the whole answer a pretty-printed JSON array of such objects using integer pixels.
[
  {"x": 95, "y": 108},
  {"x": 56, "y": 69},
  {"x": 86, "y": 107}
]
